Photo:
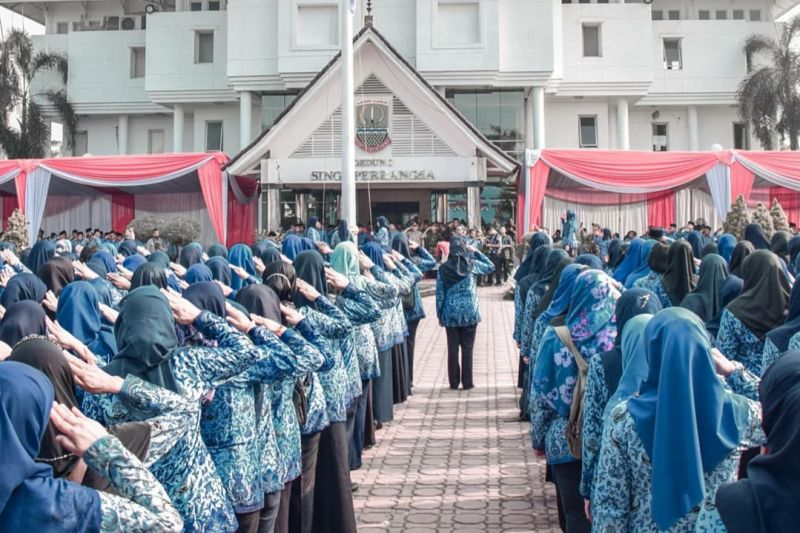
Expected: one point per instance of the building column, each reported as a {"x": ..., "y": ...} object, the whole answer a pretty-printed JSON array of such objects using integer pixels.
[
  {"x": 177, "y": 128},
  {"x": 439, "y": 212},
  {"x": 528, "y": 113},
  {"x": 473, "y": 206},
  {"x": 538, "y": 118},
  {"x": 623, "y": 128},
  {"x": 694, "y": 138},
  {"x": 122, "y": 135},
  {"x": 301, "y": 206},
  {"x": 245, "y": 118}
]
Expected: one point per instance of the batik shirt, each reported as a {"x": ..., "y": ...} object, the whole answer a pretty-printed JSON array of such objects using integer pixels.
[
  {"x": 143, "y": 505},
  {"x": 595, "y": 398},
  {"x": 332, "y": 326},
  {"x": 737, "y": 342},
  {"x": 426, "y": 264},
  {"x": 385, "y": 296},
  {"x": 771, "y": 353},
  {"x": 539, "y": 327},
  {"x": 519, "y": 314},
  {"x": 458, "y": 305},
  {"x": 659, "y": 290},
  {"x": 622, "y": 490},
  {"x": 527, "y": 334},
  {"x": 410, "y": 275},
  {"x": 382, "y": 237},
  {"x": 388, "y": 329},
  {"x": 648, "y": 282},
  {"x": 188, "y": 472}
]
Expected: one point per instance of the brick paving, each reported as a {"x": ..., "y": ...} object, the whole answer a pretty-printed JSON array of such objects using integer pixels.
[{"x": 451, "y": 460}]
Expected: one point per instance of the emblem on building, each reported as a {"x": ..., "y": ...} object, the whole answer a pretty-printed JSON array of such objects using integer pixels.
[{"x": 372, "y": 125}]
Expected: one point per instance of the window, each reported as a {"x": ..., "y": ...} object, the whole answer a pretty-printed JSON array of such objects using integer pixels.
[
  {"x": 62, "y": 28},
  {"x": 755, "y": 15},
  {"x": 672, "y": 54},
  {"x": 204, "y": 47},
  {"x": 499, "y": 115},
  {"x": 738, "y": 14},
  {"x": 214, "y": 135},
  {"x": 273, "y": 105},
  {"x": 317, "y": 26},
  {"x": 587, "y": 131},
  {"x": 704, "y": 14},
  {"x": 741, "y": 136},
  {"x": 137, "y": 62},
  {"x": 591, "y": 40},
  {"x": 458, "y": 22},
  {"x": 657, "y": 14},
  {"x": 721, "y": 14},
  {"x": 674, "y": 14},
  {"x": 195, "y": 6},
  {"x": 80, "y": 145},
  {"x": 660, "y": 142},
  {"x": 213, "y": 6},
  {"x": 156, "y": 143}
]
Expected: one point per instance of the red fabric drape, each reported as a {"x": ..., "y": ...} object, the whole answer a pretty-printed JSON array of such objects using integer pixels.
[
  {"x": 741, "y": 181},
  {"x": 123, "y": 210},
  {"x": 538, "y": 184},
  {"x": 783, "y": 163},
  {"x": 20, "y": 185},
  {"x": 210, "y": 177},
  {"x": 8, "y": 165},
  {"x": 660, "y": 209},
  {"x": 789, "y": 200},
  {"x": 241, "y": 218},
  {"x": 130, "y": 168},
  {"x": 631, "y": 170},
  {"x": 520, "y": 212},
  {"x": 9, "y": 204}
]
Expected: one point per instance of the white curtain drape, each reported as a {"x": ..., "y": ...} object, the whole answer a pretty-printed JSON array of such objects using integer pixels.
[
  {"x": 691, "y": 204},
  {"x": 173, "y": 205},
  {"x": 36, "y": 187},
  {"x": 719, "y": 182},
  {"x": 619, "y": 218},
  {"x": 77, "y": 212}
]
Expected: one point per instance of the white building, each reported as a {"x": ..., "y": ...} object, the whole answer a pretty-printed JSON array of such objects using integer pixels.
[{"x": 194, "y": 75}]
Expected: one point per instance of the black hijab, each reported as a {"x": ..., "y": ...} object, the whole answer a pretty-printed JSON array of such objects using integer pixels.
[
  {"x": 731, "y": 288},
  {"x": 740, "y": 253},
  {"x": 538, "y": 240},
  {"x": 127, "y": 248},
  {"x": 794, "y": 249},
  {"x": 616, "y": 253},
  {"x": 191, "y": 254},
  {"x": 220, "y": 270},
  {"x": 545, "y": 301},
  {"x": 762, "y": 305},
  {"x": 704, "y": 301},
  {"x": 710, "y": 248},
  {"x": 779, "y": 245},
  {"x": 146, "y": 340},
  {"x": 767, "y": 500},
  {"x": 310, "y": 267},
  {"x": 754, "y": 233},
  {"x": 217, "y": 250},
  {"x": 159, "y": 258},
  {"x": 556, "y": 261},
  {"x": 42, "y": 252},
  {"x": 23, "y": 286},
  {"x": 22, "y": 319},
  {"x": 280, "y": 277},
  {"x": 657, "y": 260},
  {"x": 781, "y": 335},
  {"x": 459, "y": 263},
  {"x": 677, "y": 279},
  {"x": 57, "y": 274},
  {"x": 261, "y": 300},
  {"x": 207, "y": 296},
  {"x": 149, "y": 274},
  {"x": 400, "y": 243},
  {"x": 98, "y": 266},
  {"x": 270, "y": 255}
]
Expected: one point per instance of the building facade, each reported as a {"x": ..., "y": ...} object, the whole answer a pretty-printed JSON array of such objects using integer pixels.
[{"x": 195, "y": 75}]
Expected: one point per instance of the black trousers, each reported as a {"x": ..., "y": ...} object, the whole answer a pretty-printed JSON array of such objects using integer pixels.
[
  {"x": 464, "y": 339},
  {"x": 333, "y": 498},
  {"x": 410, "y": 343},
  {"x": 359, "y": 426},
  {"x": 248, "y": 522},
  {"x": 567, "y": 477},
  {"x": 269, "y": 514},
  {"x": 301, "y": 503},
  {"x": 282, "y": 522}
]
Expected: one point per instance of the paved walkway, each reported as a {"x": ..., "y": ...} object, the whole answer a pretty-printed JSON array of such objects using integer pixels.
[{"x": 451, "y": 461}]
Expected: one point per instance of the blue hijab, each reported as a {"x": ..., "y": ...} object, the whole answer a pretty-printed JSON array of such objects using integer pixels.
[
  {"x": 634, "y": 362},
  {"x": 686, "y": 419},
  {"x": 103, "y": 291},
  {"x": 191, "y": 254},
  {"x": 198, "y": 273},
  {"x": 781, "y": 335},
  {"x": 108, "y": 260},
  {"x": 634, "y": 259},
  {"x": 726, "y": 244},
  {"x": 220, "y": 270},
  {"x": 132, "y": 262},
  {"x": 23, "y": 286},
  {"x": 218, "y": 250},
  {"x": 78, "y": 312},
  {"x": 539, "y": 239},
  {"x": 41, "y": 253},
  {"x": 375, "y": 252},
  {"x": 590, "y": 260},
  {"x": 30, "y": 498},
  {"x": 21, "y": 320},
  {"x": 128, "y": 248},
  {"x": 695, "y": 239},
  {"x": 292, "y": 245},
  {"x": 644, "y": 268},
  {"x": 241, "y": 256},
  {"x": 563, "y": 293}
]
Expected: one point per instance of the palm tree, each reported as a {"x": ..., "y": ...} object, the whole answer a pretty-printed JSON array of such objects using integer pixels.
[
  {"x": 19, "y": 66},
  {"x": 769, "y": 97}
]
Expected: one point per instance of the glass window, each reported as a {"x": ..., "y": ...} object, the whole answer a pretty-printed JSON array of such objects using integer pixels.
[
  {"x": 704, "y": 14},
  {"x": 721, "y": 14},
  {"x": 738, "y": 14},
  {"x": 657, "y": 14},
  {"x": 660, "y": 137},
  {"x": 288, "y": 203},
  {"x": 80, "y": 145},
  {"x": 755, "y": 15},
  {"x": 591, "y": 40},
  {"x": 214, "y": 135},
  {"x": 204, "y": 47},
  {"x": 213, "y": 6},
  {"x": 672, "y": 54},
  {"x": 499, "y": 115},
  {"x": 741, "y": 136},
  {"x": 273, "y": 105},
  {"x": 587, "y": 131},
  {"x": 195, "y": 6},
  {"x": 137, "y": 62},
  {"x": 674, "y": 14},
  {"x": 62, "y": 28},
  {"x": 156, "y": 143}
]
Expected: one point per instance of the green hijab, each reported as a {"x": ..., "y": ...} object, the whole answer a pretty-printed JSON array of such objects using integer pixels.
[{"x": 344, "y": 260}]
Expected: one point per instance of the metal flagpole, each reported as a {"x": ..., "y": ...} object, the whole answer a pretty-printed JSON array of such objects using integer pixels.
[{"x": 348, "y": 208}]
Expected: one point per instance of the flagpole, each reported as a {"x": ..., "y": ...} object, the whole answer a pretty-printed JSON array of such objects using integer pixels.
[{"x": 348, "y": 198}]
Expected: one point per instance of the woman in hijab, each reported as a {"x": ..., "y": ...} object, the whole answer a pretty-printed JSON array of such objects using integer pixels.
[
  {"x": 779, "y": 245},
  {"x": 603, "y": 377},
  {"x": 634, "y": 259},
  {"x": 78, "y": 312},
  {"x": 656, "y": 266},
  {"x": 220, "y": 270},
  {"x": 616, "y": 253},
  {"x": 766, "y": 501},
  {"x": 21, "y": 320},
  {"x": 32, "y": 500},
  {"x": 643, "y": 268},
  {"x": 457, "y": 307},
  {"x": 56, "y": 274},
  {"x": 42, "y": 252},
  {"x": 108, "y": 260},
  {"x": 695, "y": 239},
  {"x": 778, "y": 340},
  {"x": 740, "y": 253},
  {"x": 132, "y": 262},
  {"x": 198, "y": 273},
  {"x": 382, "y": 236},
  {"x": 589, "y": 329},
  {"x": 726, "y": 244},
  {"x": 128, "y": 248},
  {"x": 704, "y": 300},
  {"x": 159, "y": 258},
  {"x": 271, "y": 254},
  {"x": 590, "y": 261},
  {"x": 754, "y": 234},
  {"x": 23, "y": 286},
  {"x": 149, "y": 274},
  {"x": 241, "y": 256},
  {"x": 218, "y": 250},
  {"x": 678, "y": 279},
  {"x": 539, "y": 239},
  {"x": 342, "y": 234},
  {"x": 523, "y": 288},
  {"x": 760, "y": 308},
  {"x": 709, "y": 249},
  {"x": 292, "y": 246},
  {"x": 698, "y": 429},
  {"x": 569, "y": 230},
  {"x": 191, "y": 254}
]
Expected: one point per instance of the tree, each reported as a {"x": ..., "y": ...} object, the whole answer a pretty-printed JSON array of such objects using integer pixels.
[
  {"x": 737, "y": 218},
  {"x": 17, "y": 231},
  {"x": 19, "y": 66},
  {"x": 769, "y": 97},
  {"x": 762, "y": 217},
  {"x": 779, "y": 220}
]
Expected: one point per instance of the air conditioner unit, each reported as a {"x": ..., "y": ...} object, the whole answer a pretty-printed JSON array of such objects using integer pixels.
[
  {"x": 150, "y": 8},
  {"x": 128, "y": 23},
  {"x": 111, "y": 23}
]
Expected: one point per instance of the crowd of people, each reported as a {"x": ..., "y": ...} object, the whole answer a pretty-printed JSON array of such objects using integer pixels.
[
  {"x": 149, "y": 388},
  {"x": 661, "y": 376}
]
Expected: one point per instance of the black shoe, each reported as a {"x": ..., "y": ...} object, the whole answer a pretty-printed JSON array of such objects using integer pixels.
[
  {"x": 353, "y": 487},
  {"x": 378, "y": 425}
]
